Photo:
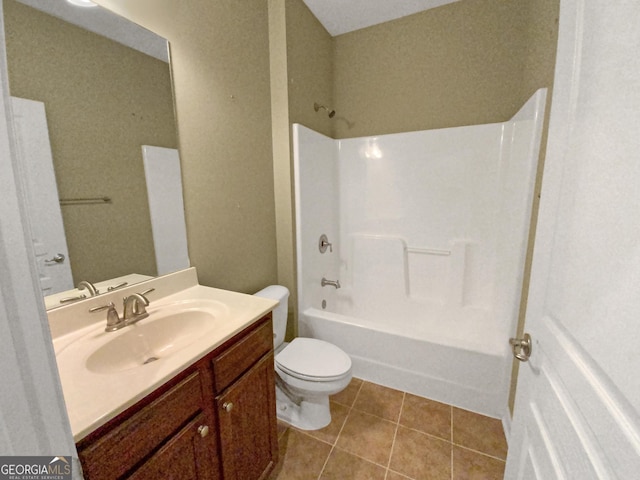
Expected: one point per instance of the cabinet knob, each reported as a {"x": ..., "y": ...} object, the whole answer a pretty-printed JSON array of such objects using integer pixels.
[
  {"x": 227, "y": 406},
  {"x": 203, "y": 430}
]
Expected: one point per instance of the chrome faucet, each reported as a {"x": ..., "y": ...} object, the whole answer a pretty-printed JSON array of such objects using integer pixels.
[
  {"x": 134, "y": 311},
  {"x": 334, "y": 283},
  {"x": 135, "y": 308},
  {"x": 84, "y": 285},
  {"x": 324, "y": 243}
]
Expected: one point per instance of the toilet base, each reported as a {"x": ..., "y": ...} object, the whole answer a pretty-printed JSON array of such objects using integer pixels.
[{"x": 310, "y": 413}]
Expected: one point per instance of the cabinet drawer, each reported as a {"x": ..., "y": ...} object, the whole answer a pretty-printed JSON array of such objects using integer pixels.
[
  {"x": 118, "y": 450},
  {"x": 236, "y": 360}
]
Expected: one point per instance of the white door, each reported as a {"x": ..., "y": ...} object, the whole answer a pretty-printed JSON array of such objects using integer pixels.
[
  {"x": 45, "y": 217},
  {"x": 164, "y": 191},
  {"x": 577, "y": 413}
]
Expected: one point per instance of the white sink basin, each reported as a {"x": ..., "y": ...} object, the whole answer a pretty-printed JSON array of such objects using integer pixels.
[
  {"x": 143, "y": 343},
  {"x": 168, "y": 329}
]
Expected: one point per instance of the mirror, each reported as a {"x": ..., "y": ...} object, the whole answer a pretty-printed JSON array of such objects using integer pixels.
[{"x": 103, "y": 100}]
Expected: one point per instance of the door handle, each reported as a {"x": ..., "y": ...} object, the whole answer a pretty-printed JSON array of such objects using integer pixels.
[
  {"x": 521, "y": 347},
  {"x": 58, "y": 258}
]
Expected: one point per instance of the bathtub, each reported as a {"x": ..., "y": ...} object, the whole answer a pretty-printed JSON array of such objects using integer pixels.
[
  {"x": 428, "y": 234},
  {"x": 472, "y": 377}
]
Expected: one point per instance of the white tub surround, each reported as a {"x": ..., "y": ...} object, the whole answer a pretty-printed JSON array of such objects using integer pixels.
[
  {"x": 93, "y": 397},
  {"x": 429, "y": 232}
]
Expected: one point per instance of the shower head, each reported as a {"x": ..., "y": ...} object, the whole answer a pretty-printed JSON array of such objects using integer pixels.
[{"x": 317, "y": 106}]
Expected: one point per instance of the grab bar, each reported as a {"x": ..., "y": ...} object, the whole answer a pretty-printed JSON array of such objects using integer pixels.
[
  {"x": 85, "y": 201},
  {"x": 429, "y": 251}
]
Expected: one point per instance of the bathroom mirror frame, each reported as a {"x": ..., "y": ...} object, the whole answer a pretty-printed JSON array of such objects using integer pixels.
[{"x": 100, "y": 21}]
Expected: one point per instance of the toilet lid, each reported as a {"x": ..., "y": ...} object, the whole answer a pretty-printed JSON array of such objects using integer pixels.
[{"x": 310, "y": 357}]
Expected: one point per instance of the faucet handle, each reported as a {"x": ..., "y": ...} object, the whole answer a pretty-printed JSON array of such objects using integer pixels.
[
  {"x": 113, "y": 319},
  {"x": 115, "y": 287},
  {"x": 73, "y": 299},
  {"x": 323, "y": 243},
  {"x": 102, "y": 307}
]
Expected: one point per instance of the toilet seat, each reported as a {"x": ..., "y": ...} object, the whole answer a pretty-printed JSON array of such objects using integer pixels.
[{"x": 314, "y": 360}]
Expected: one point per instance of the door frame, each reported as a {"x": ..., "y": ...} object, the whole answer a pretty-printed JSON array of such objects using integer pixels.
[{"x": 34, "y": 417}]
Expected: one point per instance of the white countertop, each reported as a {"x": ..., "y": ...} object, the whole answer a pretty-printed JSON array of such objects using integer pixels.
[{"x": 93, "y": 398}]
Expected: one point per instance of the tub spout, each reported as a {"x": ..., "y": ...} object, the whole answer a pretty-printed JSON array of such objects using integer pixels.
[{"x": 334, "y": 283}]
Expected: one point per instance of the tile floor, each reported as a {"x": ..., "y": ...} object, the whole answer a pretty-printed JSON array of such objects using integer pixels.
[{"x": 380, "y": 433}]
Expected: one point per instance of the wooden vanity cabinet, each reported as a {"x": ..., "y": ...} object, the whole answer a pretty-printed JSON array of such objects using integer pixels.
[
  {"x": 185, "y": 455},
  {"x": 215, "y": 420},
  {"x": 248, "y": 447}
]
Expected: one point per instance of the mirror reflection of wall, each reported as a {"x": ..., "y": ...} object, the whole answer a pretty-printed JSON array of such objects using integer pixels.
[{"x": 103, "y": 102}]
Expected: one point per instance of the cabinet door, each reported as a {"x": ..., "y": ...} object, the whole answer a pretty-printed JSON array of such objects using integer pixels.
[
  {"x": 189, "y": 455},
  {"x": 247, "y": 424}
]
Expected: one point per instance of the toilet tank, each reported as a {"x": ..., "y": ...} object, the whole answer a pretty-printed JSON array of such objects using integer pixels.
[{"x": 281, "y": 294}]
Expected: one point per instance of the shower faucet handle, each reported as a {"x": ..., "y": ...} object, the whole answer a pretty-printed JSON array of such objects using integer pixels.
[{"x": 323, "y": 243}]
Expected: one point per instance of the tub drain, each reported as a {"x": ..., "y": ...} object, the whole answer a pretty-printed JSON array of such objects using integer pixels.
[{"x": 149, "y": 360}]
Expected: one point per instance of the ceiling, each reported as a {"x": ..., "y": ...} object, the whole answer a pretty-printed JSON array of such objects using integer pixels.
[
  {"x": 337, "y": 16},
  {"x": 342, "y": 16}
]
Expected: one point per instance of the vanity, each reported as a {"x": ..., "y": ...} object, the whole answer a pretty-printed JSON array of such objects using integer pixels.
[{"x": 188, "y": 392}]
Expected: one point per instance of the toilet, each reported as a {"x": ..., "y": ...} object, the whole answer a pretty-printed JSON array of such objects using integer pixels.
[{"x": 307, "y": 370}]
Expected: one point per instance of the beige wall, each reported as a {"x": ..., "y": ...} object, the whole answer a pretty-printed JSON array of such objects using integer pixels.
[
  {"x": 220, "y": 66},
  {"x": 301, "y": 53},
  {"x": 103, "y": 101},
  {"x": 281, "y": 137},
  {"x": 459, "y": 64},
  {"x": 310, "y": 57}
]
